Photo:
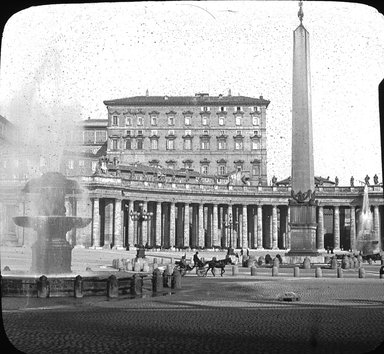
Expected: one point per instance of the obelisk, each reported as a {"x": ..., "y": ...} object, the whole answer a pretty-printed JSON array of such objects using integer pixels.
[{"x": 302, "y": 204}]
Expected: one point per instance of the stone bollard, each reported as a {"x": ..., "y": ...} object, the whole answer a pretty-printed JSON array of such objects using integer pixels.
[
  {"x": 166, "y": 275},
  {"x": 306, "y": 263},
  {"x": 43, "y": 287},
  {"x": 129, "y": 266},
  {"x": 137, "y": 267},
  {"x": 136, "y": 284},
  {"x": 334, "y": 263},
  {"x": 112, "y": 286},
  {"x": 345, "y": 263},
  {"x": 275, "y": 271},
  {"x": 261, "y": 260},
  {"x": 276, "y": 262},
  {"x": 170, "y": 268},
  {"x": 351, "y": 263},
  {"x": 318, "y": 272},
  {"x": 235, "y": 270},
  {"x": 146, "y": 267},
  {"x": 176, "y": 280},
  {"x": 327, "y": 259},
  {"x": 382, "y": 260},
  {"x": 361, "y": 272},
  {"x": 339, "y": 272},
  {"x": 381, "y": 272},
  {"x": 296, "y": 272},
  {"x": 253, "y": 271},
  {"x": 157, "y": 281},
  {"x": 360, "y": 258},
  {"x": 78, "y": 287}
]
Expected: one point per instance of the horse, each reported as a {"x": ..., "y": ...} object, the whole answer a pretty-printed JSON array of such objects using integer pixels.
[{"x": 218, "y": 264}]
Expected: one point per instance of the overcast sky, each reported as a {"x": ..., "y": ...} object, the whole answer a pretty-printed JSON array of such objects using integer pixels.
[{"x": 60, "y": 62}]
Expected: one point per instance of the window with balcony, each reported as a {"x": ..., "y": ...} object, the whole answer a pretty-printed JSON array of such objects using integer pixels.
[
  {"x": 139, "y": 144},
  {"x": 128, "y": 121},
  {"x": 140, "y": 120},
  {"x": 187, "y": 120},
  {"x": 170, "y": 145},
  {"x": 204, "y": 144},
  {"x": 222, "y": 144},
  {"x": 154, "y": 144}
]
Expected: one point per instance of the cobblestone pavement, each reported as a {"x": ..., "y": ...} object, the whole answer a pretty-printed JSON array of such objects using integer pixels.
[{"x": 209, "y": 315}]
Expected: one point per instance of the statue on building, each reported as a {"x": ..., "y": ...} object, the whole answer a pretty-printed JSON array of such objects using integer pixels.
[
  {"x": 274, "y": 180},
  {"x": 352, "y": 181},
  {"x": 336, "y": 181},
  {"x": 366, "y": 179},
  {"x": 375, "y": 179},
  {"x": 101, "y": 167}
]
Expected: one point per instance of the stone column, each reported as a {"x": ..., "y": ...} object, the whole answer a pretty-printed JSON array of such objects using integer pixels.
[
  {"x": 376, "y": 226},
  {"x": 260, "y": 227},
  {"x": 118, "y": 242},
  {"x": 289, "y": 228},
  {"x": 144, "y": 225},
  {"x": 131, "y": 225},
  {"x": 254, "y": 243},
  {"x": 201, "y": 226},
  {"x": 215, "y": 226},
  {"x": 274, "y": 227},
  {"x": 320, "y": 229},
  {"x": 244, "y": 241},
  {"x": 96, "y": 223},
  {"x": 336, "y": 227},
  {"x": 172, "y": 224},
  {"x": 108, "y": 223},
  {"x": 158, "y": 224},
  {"x": 353, "y": 228},
  {"x": 83, "y": 235},
  {"x": 186, "y": 225}
]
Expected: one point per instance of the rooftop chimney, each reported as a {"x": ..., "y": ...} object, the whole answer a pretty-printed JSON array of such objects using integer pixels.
[{"x": 229, "y": 92}]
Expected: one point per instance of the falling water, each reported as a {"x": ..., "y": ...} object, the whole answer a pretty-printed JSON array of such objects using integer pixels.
[{"x": 366, "y": 242}]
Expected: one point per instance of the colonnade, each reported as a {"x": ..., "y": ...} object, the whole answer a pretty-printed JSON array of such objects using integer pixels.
[{"x": 183, "y": 225}]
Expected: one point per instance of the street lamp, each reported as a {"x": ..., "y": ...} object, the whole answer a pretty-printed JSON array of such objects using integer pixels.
[
  {"x": 229, "y": 224},
  {"x": 140, "y": 216}
]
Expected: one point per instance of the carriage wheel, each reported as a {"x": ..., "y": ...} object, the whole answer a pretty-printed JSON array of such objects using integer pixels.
[{"x": 201, "y": 272}]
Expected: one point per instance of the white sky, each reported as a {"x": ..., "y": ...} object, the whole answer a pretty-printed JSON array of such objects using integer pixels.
[{"x": 59, "y": 62}]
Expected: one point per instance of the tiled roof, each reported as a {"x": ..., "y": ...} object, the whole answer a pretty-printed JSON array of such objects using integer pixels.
[{"x": 203, "y": 100}]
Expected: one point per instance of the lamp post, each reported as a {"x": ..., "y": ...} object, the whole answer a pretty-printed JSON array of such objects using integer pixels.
[
  {"x": 140, "y": 216},
  {"x": 229, "y": 224}
]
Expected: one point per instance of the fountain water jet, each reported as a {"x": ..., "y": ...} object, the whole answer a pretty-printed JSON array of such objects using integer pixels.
[
  {"x": 366, "y": 242},
  {"x": 51, "y": 253}
]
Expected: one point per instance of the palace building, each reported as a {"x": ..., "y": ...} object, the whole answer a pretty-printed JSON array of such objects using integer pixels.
[{"x": 213, "y": 135}]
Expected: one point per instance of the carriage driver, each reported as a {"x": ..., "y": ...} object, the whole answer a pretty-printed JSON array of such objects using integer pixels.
[{"x": 196, "y": 260}]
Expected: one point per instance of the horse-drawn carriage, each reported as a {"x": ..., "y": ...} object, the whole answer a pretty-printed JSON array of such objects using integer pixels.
[{"x": 203, "y": 267}]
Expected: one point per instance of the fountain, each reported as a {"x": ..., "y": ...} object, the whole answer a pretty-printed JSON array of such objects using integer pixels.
[
  {"x": 366, "y": 243},
  {"x": 51, "y": 253}
]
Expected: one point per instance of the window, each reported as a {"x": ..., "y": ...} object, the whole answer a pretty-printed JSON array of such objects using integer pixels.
[
  {"x": 239, "y": 132},
  {"x": 256, "y": 170},
  {"x": 170, "y": 144},
  {"x": 239, "y": 167},
  {"x": 188, "y": 132},
  {"x": 256, "y": 120},
  {"x": 101, "y": 136},
  {"x": 222, "y": 132},
  {"x": 171, "y": 132},
  {"x": 238, "y": 120},
  {"x": 139, "y": 132},
  {"x": 222, "y": 170},
  {"x": 153, "y": 120},
  {"x": 204, "y": 145},
  {"x": 204, "y": 120},
  {"x": 204, "y": 169},
  {"x": 221, "y": 120},
  {"x": 139, "y": 120},
  {"x": 205, "y": 109},
  {"x": 238, "y": 145},
  {"x": 128, "y": 121},
  {"x": 88, "y": 137},
  {"x": 154, "y": 144},
  {"x": 114, "y": 144},
  {"x": 188, "y": 164},
  {"x": 256, "y": 109},
  {"x": 128, "y": 144},
  {"x": 222, "y": 109},
  {"x": 114, "y": 120},
  {"x": 153, "y": 132},
  {"x": 171, "y": 120},
  {"x": 222, "y": 145},
  {"x": 205, "y": 132},
  {"x": 139, "y": 144},
  {"x": 187, "y": 144},
  {"x": 70, "y": 164},
  {"x": 255, "y": 145},
  {"x": 239, "y": 109},
  {"x": 187, "y": 120},
  {"x": 81, "y": 163},
  {"x": 256, "y": 132},
  {"x": 93, "y": 166}
]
